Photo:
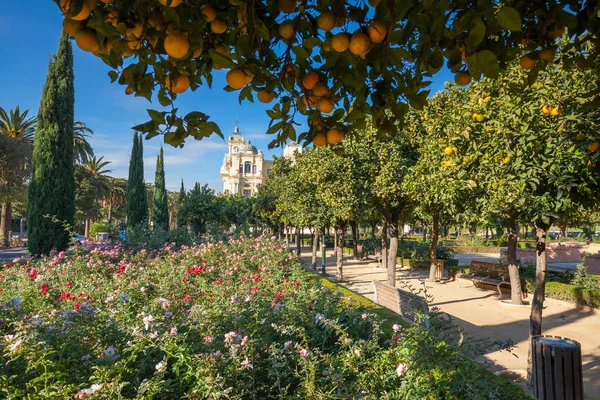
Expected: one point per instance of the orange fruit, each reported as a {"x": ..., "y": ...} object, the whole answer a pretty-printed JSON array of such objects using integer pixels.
[
  {"x": 136, "y": 30},
  {"x": 340, "y": 21},
  {"x": 265, "y": 96},
  {"x": 176, "y": 45},
  {"x": 546, "y": 110},
  {"x": 340, "y": 42},
  {"x": 209, "y": 12},
  {"x": 72, "y": 27},
  {"x": 223, "y": 49},
  {"x": 156, "y": 21},
  {"x": 321, "y": 90},
  {"x": 320, "y": 139},
  {"x": 170, "y": 3},
  {"x": 594, "y": 147},
  {"x": 310, "y": 100},
  {"x": 286, "y": 29},
  {"x": 449, "y": 151},
  {"x": 310, "y": 80},
  {"x": 218, "y": 26},
  {"x": 359, "y": 44},
  {"x": 249, "y": 74},
  {"x": 526, "y": 62},
  {"x": 286, "y": 6},
  {"x": 377, "y": 32},
  {"x": 547, "y": 54},
  {"x": 462, "y": 78},
  {"x": 236, "y": 78},
  {"x": 506, "y": 160},
  {"x": 86, "y": 9},
  {"x": 556, "y": 111},
  {"x": 179, "y": 84},
  {"x": 326, "y": 21},
  {"x": 86, "y": 40},
  {"x": 325, "y": 105},
  {"x": 196, "y": 53},
  {"x": 335, "y": 135}
]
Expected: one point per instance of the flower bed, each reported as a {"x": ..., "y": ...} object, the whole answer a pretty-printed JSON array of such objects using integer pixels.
[{"x": 237, "y": 320}]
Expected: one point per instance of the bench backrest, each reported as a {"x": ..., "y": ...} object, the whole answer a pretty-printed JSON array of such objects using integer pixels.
[
  {"x": 405, "y": 303},
  {"x": 489, "y": 270}
]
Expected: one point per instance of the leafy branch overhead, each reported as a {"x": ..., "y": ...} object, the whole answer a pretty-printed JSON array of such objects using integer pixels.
[{"x": 330, "y": 62}]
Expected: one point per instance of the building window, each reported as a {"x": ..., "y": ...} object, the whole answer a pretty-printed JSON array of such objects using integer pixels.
[
  {"x": 247, "y": 193},
  {"x": 247, "y": 167},
  {"x": 254, "y": 169},
  {"x": 241, "y": 169}
]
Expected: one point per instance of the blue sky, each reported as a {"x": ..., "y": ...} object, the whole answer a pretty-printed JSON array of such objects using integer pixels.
[{"x": 29, "y": 34}]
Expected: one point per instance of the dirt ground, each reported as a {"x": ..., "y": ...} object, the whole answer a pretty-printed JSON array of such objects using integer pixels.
[{"x": 479, "y": 313}]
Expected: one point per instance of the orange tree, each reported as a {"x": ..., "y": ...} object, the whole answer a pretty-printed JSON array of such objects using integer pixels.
[
  {"x": 265, "y": 209},
  {"x": 385, "y": 166},
  {"x": 336, "y": 58},
  {"x": 441, "y": 186}
]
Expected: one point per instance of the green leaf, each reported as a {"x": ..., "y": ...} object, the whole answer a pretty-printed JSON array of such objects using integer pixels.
[
  {"x": 221, "y": 59},
  {"x": 157, "y": 116},
  {"x": 484, "y": 62},
  {"x": 146, "y": 127},
  {"x": 508, "y": 18},
  {"x": 113, "y": 75},
  {"x": 476, "y": 34}
]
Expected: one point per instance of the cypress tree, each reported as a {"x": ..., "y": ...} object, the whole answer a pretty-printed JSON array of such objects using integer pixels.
[
  {"x": 160, "y": 207},
  {"x": 136, "y": 207},
  {"x": 51, "y": 205},
  {"x": 181, "y": 200}
]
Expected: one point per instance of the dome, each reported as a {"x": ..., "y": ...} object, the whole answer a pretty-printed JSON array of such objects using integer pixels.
[{"x": 248, "y": 147}]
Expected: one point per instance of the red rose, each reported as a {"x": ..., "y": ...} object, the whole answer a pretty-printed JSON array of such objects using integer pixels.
[
  {"x": 44, "y": 288},
  {"x": 186, "y": 299}
]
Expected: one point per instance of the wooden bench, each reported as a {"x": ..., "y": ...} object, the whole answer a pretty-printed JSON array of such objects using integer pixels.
[
  {"x": 400, "y": 301},
  {"x": 494, "y": 274},
  {"x": 375, "y": 257}
]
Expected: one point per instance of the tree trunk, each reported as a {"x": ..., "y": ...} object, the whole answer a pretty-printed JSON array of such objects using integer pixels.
[
  {"x": 384, "y": 252},
  {"x": 424, "y": 233},
  {"x": 340, "y": 233},
  {"x": 373, "y": 229},
  {"x": 315, "y": 250},
  {"x": 287, "y": 235},
  {"x": 487, "y": 233},
  {"x": 563, "y": 233},
  {"x": 110, "y": 211},
  {"x": 5, "y": 224},
  {"x": 473, "y": 230},
  {"x": 393, "y": 251},
  {"x": 433, "y": 252},
  {"x": 335, "y": 240},
  {"x": 537, "y": 303},
  {"x": 298, "y": 242},
  {"x": 513, "y": 269},
  {"x": 354, "y": 239},
  {"x": 87, "y": 228}
]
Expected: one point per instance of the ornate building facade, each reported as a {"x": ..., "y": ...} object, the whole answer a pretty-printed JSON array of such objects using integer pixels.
[{"x": 244, "y": 166}]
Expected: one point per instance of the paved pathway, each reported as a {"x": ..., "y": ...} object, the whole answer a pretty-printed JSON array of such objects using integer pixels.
[
  {"x": 9, "y": 254},
  {"x": 481, "y": 316}
]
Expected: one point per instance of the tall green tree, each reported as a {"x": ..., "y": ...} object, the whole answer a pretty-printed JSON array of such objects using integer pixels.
[
  {"x": 160, "y": 206},
  {"x": 52, "y": 188},
  {"x": 93, "y": 185},
  {"x": 82, "y": 149},
  {"x": 181, "y": 201},
  {"x": 136, "y": 207},
  {"x": 200, "y": 207}
]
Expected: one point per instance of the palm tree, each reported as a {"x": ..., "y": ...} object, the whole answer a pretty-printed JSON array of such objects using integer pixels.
[
  {"x": 17, "y": 125},
  {"x": 82, "y": 149},
  {"x": 96, "y": 173},
  {"x": 116, "y": 194}
]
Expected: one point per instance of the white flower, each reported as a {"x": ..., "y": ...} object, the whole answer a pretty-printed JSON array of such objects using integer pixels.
[
  {"x": 230, "y": 336},
  {"x": 304, "y": 353},
  {"x": 147, "y": 321},
  {"x": 246, "y": 363},
  {"x": 161, "y": 366},
  {"x": 401, "y": 369},
  {"x": 110, "y": 352},
  {"x": 357, "y": 352},
  {"x": 396, "y": 327},
  {"x": 365, "y": 316}
]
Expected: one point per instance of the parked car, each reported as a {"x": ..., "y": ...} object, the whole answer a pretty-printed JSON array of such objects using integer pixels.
[
  {"x": 77, "y": 239},
  {"x": 553, "y": 235}
]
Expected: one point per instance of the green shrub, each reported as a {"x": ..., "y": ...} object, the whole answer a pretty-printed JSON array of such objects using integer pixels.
[
  {"x": 566, "y": 292},
  {"x": 98, "y": 227}
]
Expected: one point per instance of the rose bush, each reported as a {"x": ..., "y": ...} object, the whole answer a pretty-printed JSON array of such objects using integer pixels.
[{"x": 236, "y": 320}]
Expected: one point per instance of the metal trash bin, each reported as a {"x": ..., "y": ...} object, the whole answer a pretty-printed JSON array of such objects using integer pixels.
[
  {"x": 102, "y": 236},
  {"x": 557, "y": 368}
]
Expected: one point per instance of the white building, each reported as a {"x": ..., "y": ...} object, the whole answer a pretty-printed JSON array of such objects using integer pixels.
[{"x": 244, "y": 167}]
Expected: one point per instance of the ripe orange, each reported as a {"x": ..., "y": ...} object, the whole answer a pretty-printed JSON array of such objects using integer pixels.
[
  {"x": 86, "y": 9},
  {"x": 286, "y": 6},
  {"x": 320, "y": 139},
  {"x": 249, "y": 74},
  {"x": 506, "y": 160},
  {"x": 377, "y": 32},
  {"x": 546, "y": 110},
  {"x": 321, "y": 90},
  {"x": 176, "y": 45},
  {"x": 236, "y": 78},
  {"x": 335, "y": 135},
  {"x": 449, "y": 151},
  {"x": 359, "y": 44},
  {"x": 326, "y": 21},
  {"x": 286, "y": 29},
  {"x": 594, "y": 147},
  {"x": 223, "y": 49},
  {"x": 209, "y": 12},
  {"x": 310, "y": 80},
  {"x": 86, "y": 40},
  {"x": 170, "y": 3},
  {"x": 548, "y": 54},
  {"x": 72, "y": 27},
  {"x": 340, "y": 42},
  {"x": 218, "y": 26},
  {"x": 265, "y": 96},
  {"x": 527, "y": 62},
  {"x": 196, "y": 53},
  {"x": 179, "y": 85},
  {"x": 462, "y": 78},
  {"x": 556, "y": 111},
  {"x": 325, "y": 105}
]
